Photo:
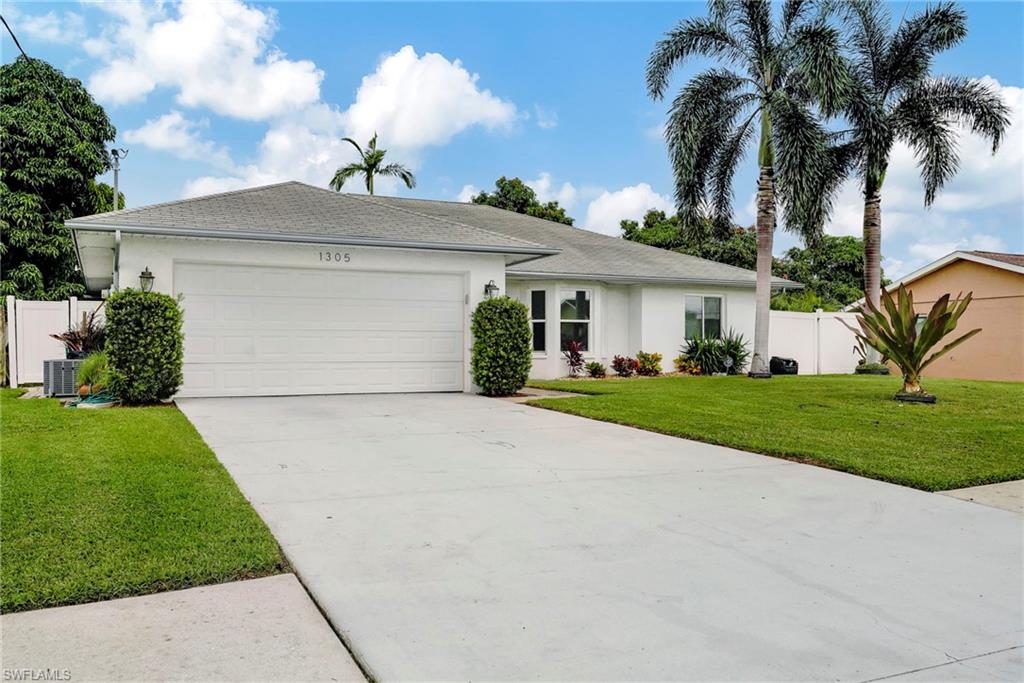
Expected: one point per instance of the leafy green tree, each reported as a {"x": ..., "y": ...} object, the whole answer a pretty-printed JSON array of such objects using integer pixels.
[
  {"x": 895, "y": 98},
  {"x": 370, "y": 165},
  {"x": 737, "y": 248},
  {"x": 772, "y": 70},
  {"x": 831, "y": 267},
  {"x": 54, "y": 138},
  {"x": 515, "y": 195}
]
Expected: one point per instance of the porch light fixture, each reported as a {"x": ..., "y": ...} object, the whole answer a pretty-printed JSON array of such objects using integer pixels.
[
  {"x": 490, "y": 289},
  {"x": 146, "y": 280}
]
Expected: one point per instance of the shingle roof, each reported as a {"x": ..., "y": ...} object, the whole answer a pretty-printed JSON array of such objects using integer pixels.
[
  {"x": 583, "y": 253},
  {"x": 1012, "y": 259},
  {"x": 296, "y": 210}
]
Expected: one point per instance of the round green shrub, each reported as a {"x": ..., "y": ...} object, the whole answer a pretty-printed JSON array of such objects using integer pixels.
[
  {"x": 144, "y": 346},
  {"x": 502, "y": 348}
]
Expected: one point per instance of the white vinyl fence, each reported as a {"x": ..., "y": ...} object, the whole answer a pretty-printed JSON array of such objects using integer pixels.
[
  {"x": 819, "y": 342},
  {"x": 29, "y": 326}
]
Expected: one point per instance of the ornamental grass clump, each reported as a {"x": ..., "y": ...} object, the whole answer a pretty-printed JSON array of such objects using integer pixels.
[
  {"x": 899, "y": 335},
  {"x": 502, "y": 346}
]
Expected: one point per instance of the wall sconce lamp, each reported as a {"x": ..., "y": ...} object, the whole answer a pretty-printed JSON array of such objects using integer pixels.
[
  {"x": 490, "y": 289},
  {"x": 146, "y": 280}
]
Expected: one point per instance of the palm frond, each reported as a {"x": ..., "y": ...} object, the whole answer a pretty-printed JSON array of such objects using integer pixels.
[
  {"x": 724, "y": 170},
  {"x": 967, "y": 101},
  {"x": 918, "y": 40},
  {"x": 343, "y": 174},
  {"x": 698, "y": 121},
  {"x": 819, "y": 67},
  {"x": 354, "y": 144},
  {"x": 866, "y": 22},
  {"x": 401, "y": 172},
  {"x": 932, "y": 137},
  {"x": 691, "y": 37},
  {"x": 804, "y": 165}
]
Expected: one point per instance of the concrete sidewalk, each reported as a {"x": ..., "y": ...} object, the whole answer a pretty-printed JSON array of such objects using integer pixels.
[
  {"x": 1008, "y": 495},
  {"x": 263, "y": 629}
]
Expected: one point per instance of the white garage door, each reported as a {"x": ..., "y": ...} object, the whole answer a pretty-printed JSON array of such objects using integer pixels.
[{"x": 254, "y": 330}]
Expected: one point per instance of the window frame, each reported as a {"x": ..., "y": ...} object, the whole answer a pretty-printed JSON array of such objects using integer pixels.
[
  {"x": 543, "y": 352},
  {"x": 703, "y": 315},
  {"x": 588, "y": 321}
]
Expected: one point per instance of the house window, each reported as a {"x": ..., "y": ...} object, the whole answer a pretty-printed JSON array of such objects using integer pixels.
[
  {"x": 574, "y": 310},
  {"x": 538, "y": 319},
  {"x": 919, "y": 322},
  {"x": 703, "y": 316}
]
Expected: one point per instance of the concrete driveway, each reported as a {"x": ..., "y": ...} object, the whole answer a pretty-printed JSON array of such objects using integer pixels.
[{"x": 458, "y": 537}]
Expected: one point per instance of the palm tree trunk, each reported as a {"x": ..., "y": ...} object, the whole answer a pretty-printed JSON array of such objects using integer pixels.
[
  {"x": 759, "y": 366},
  {"x": 369, "y": 181},
  {"x": 872, "y": 255}
]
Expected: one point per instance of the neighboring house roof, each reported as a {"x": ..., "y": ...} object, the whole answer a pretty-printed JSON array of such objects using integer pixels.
[
  {"x": 584, "y": 254},
  {"x": 1012, "y": 259},
  {"x": 1011, "y": 262},
  {"x": 295, "y": 211}
]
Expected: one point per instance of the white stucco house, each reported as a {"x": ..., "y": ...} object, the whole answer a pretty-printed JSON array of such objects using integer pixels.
[{"x": 293, "y": 289}]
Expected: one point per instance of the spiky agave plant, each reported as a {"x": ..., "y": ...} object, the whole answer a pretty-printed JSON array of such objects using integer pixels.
[{"x": 897, "y": 333}]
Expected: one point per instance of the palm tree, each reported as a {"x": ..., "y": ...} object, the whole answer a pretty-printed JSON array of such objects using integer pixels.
[
  {"x": 370, "y": 165},
  {"x": 776, "y": 75},
  {"x": 893, "y": 98}
]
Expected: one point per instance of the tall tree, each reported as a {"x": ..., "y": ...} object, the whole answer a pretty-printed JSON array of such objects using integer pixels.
[
  {"x": 737, "y": 248},
  {"x": 776, "y": 75},
  {"x": 894, "y": 98},
  {"x": 53, "y": 147},
  {"x": 512, "y": 194},
  {"x": 370, "y": 164},
  {"x": 831, "y": 268}
]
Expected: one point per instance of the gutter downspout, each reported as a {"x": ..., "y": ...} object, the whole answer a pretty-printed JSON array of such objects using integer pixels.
[{"x": 115, "y": 285}]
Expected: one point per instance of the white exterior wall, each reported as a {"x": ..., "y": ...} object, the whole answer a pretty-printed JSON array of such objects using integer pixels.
[
  {"x": 160, "y": 254},
  {"x": 630, "y": 318},
  {"x": 664, "y": 323}
]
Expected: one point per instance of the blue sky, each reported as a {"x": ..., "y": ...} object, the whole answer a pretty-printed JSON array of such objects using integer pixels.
[{"x": 215, "y": 96}]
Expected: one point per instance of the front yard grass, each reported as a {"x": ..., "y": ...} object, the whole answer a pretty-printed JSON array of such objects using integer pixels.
[
  {"x": 100, "y": 504},
  {"x": 973, "y": 435}
]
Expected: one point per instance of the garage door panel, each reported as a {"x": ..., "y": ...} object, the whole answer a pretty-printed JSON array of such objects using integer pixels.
[
  {"x": 252, "y": 330},
  {"x": 264, "y": 282},
  {"x": 322, "y": 378},
  {"x": 410, "y": 314}
]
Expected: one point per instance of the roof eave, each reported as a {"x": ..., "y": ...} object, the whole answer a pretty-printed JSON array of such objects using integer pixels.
[
  {"x": 306, "y": 238},
  {"x": 644, "y": 279}
]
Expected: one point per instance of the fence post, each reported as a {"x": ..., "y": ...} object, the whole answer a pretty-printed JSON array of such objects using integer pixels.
[
  {"x": 12, "y": 342},
  {"x": 817, "y": 340}
]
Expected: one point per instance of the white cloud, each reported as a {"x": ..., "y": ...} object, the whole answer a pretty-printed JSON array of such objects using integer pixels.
[
  {"x": 547, "y": 118},
  {"x": 66, "y": 27},
  {"x": 467, "y": 193},
  {"x": 411, "y": 101},
  {"x": 632, "y": 202},
  {"x": 547, "y": 192},
  {"x": 176, "y": 134},
  {"x": 214, "y": 54},
  {"x": 414, "y": 101}
]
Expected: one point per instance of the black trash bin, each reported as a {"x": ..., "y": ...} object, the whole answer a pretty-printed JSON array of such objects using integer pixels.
[{"x": 783, "y": 366}]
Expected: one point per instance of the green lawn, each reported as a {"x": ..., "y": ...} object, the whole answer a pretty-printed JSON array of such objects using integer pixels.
[
  {"x": 110, "y": 503},
  {"x": 973, "y": 435}
]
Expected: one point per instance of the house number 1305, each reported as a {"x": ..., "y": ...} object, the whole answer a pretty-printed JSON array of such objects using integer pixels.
[{"x": 338, "y": 256}]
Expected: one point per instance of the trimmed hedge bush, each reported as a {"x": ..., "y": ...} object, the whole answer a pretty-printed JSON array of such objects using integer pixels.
[
  {"x": 502, "y": 346},
  {"x": 144, "y": 346}
]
